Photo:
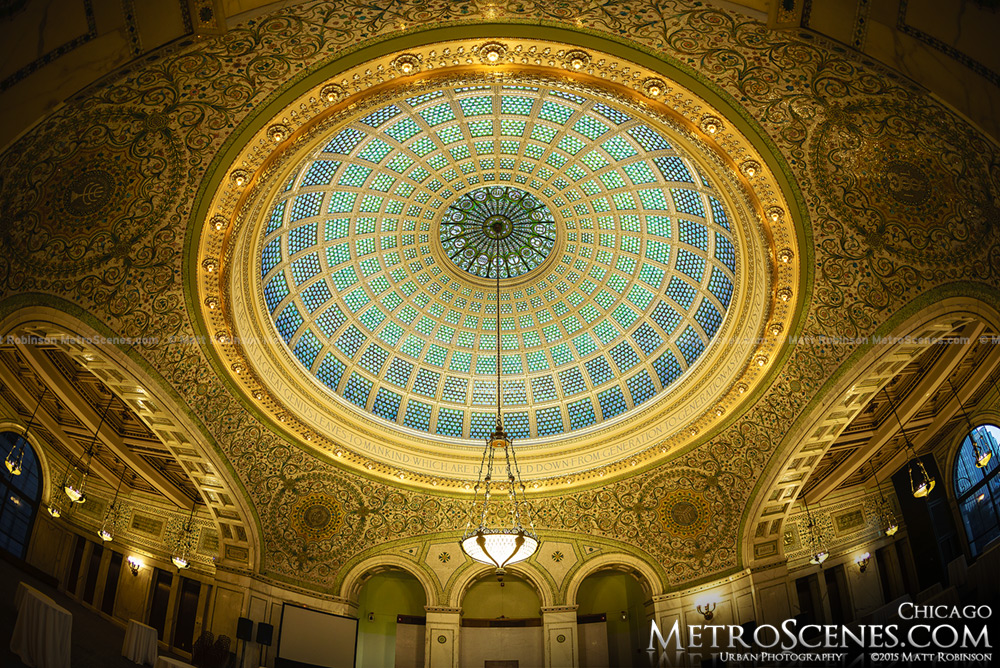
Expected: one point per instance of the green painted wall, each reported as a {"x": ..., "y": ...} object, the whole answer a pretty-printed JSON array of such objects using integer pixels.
[
  {"x": 385, "y": 595},
  {"x": 614, "y": 593},
  {"x": 486, "y": 599}
]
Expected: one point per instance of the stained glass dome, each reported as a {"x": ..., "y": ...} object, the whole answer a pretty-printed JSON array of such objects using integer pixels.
[{"x": 618, "y": 270}]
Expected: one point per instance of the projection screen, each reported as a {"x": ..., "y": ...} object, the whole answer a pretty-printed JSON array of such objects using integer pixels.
[{"x": 311, "y": 638}]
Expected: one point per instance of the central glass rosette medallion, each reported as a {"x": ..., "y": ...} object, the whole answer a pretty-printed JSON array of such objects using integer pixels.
[{"x": 497, "y": 228}]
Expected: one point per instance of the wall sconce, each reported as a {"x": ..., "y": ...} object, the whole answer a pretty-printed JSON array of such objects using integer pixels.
[
  {"x": 862, "y": 561},
  {"x": 134, "y": 564},
  {"x": 371, "y": 616},
  {"x": 624, "y": 616},
  {"x": 706, "y": 609}
]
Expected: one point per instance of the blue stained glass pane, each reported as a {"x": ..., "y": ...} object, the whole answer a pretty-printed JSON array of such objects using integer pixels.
[
  {"x": 277, "y": 215},
  {"x": 666, "y": 317},
  {"x": 718, "y": 212},
  {"x": 398, "y": 372},
  {"x": 315, "y": 296},
  {"x": 418, "y": 415},
  {"x": 449, "y": 422},
  {"x": 357, "y": 390},
  {"x": 514, "y": 392},
  {"x": 270, "y": 256},
  {"x": 345, "y": 141},
  {"x": 373, "y": 359},
  {"x": 599, "y": 371},
  {"x": 724, "y": 252},
  {"x": 330, "y": 320},
  {"x": 350, "y": 341},
  {"x": 305, "y": 268},
  {"x": 673, "y": 169},
  {"x": 708, "y": 317},
  {"x": 517, "y": 425},
  {"x": 548, "y": 421},
  {"x": 307, "y": 348},
  {"x": 624, "y": 356},
  {"x": 690, "y": 344},
  {"x": 572, "y": 381},
  {"x": 581, "y": 414},
  {"x": 647, "y": 338},
  {"x": 426, "y": 383},
  {"x": 557, "y": 113},
  {"x": 455, "y": 389},
  {"x": 320, "y": 173},
  {"x": 386, "y": 404},
  {"x": 584, "y": 345},
  {"x": 690, "y": 264},
  {"x": 614, "y": 115},
  {"x": 482, "y": 425},
  {"x": 694, "y": 234},
  {"x": 720, "y": 286},
  {"x": 667, "y": 368},
  {"x": 612, "y": 402},
  {"x": 688, "y": 201},
  {"x": 641, "y": 387},
  {"x": 381, "y": 115},
  {"x": 542, "y": 389},
  {"x": 330, "y": 371},
  {"x": 306, "y": 205},
  {"x": 680, "y": 292},
  {"x": 301, "y": 238},
  {"x": 648, "y": 138},
  {"x": 403, "y": 130},
  {"x": 275, "y": 291},
  {"x": 288, "y": 322}
]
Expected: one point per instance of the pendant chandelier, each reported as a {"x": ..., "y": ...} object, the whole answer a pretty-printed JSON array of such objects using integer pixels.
[
  {"x": 888, "y": 518},
  {"x": 107, "y": 532},
  {"x": 15, "y": 458},
  {"x": 921, "y": 482},
  {"x": 495, "y": 534},
  {"x": 180, "y": 557},
  {"x": 74, "y": 486},
  {"x": 819, "y": 554},
  {"x": 982, "y": 456}
]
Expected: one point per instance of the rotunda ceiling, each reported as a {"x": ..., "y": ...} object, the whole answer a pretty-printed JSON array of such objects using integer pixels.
[
  {"x": 637, "y": 270},
  {"x": 623, "y": 254}
]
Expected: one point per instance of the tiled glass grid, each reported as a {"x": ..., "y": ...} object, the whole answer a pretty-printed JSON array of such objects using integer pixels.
[{"x": 608, "y": 149}]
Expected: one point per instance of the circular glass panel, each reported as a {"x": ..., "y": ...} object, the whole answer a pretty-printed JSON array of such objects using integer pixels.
[{"x": 495, "y": 229}]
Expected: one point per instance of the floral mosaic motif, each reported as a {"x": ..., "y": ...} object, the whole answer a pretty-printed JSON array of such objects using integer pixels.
[
  {"x": 444, "y": 557},
  {"x": 167, "y": 118},
  {"x": 91, "y": 190},
  {"x": 557, "y": 556}
]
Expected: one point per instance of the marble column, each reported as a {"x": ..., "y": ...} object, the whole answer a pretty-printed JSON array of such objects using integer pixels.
[
  {"x": 559, "y": 637},
  {"x": 441, "y": 640}
]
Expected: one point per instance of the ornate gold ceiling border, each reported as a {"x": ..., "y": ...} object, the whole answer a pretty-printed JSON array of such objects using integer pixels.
[{"x": 769, "y": 266}]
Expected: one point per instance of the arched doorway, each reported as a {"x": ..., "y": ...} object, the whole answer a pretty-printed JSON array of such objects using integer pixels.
[
  {"x": 612, "y": 618},
  {"x": 501, "y": 622},
  {"x": 20, "y": 495},
  {"x": 391, "y": 621}
]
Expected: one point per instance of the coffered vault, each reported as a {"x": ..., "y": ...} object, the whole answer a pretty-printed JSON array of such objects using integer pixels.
[{"x": 779, "y": 197}]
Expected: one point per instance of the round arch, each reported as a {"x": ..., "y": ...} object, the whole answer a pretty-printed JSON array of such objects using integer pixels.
[
  {"x": 617, "y": 561},
  {"x": 984, "y": 416},
  {"x": 350, "y": 588},
  {"x": 100, "y": 352},
  {"x": 476, "y": 572},
  {"x": 846, "y": 394}
]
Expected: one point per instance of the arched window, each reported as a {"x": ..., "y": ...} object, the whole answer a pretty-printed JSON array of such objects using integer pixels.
[
  {"x": 978, "y": 489},
  {"x": 20, "y": 496}
]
